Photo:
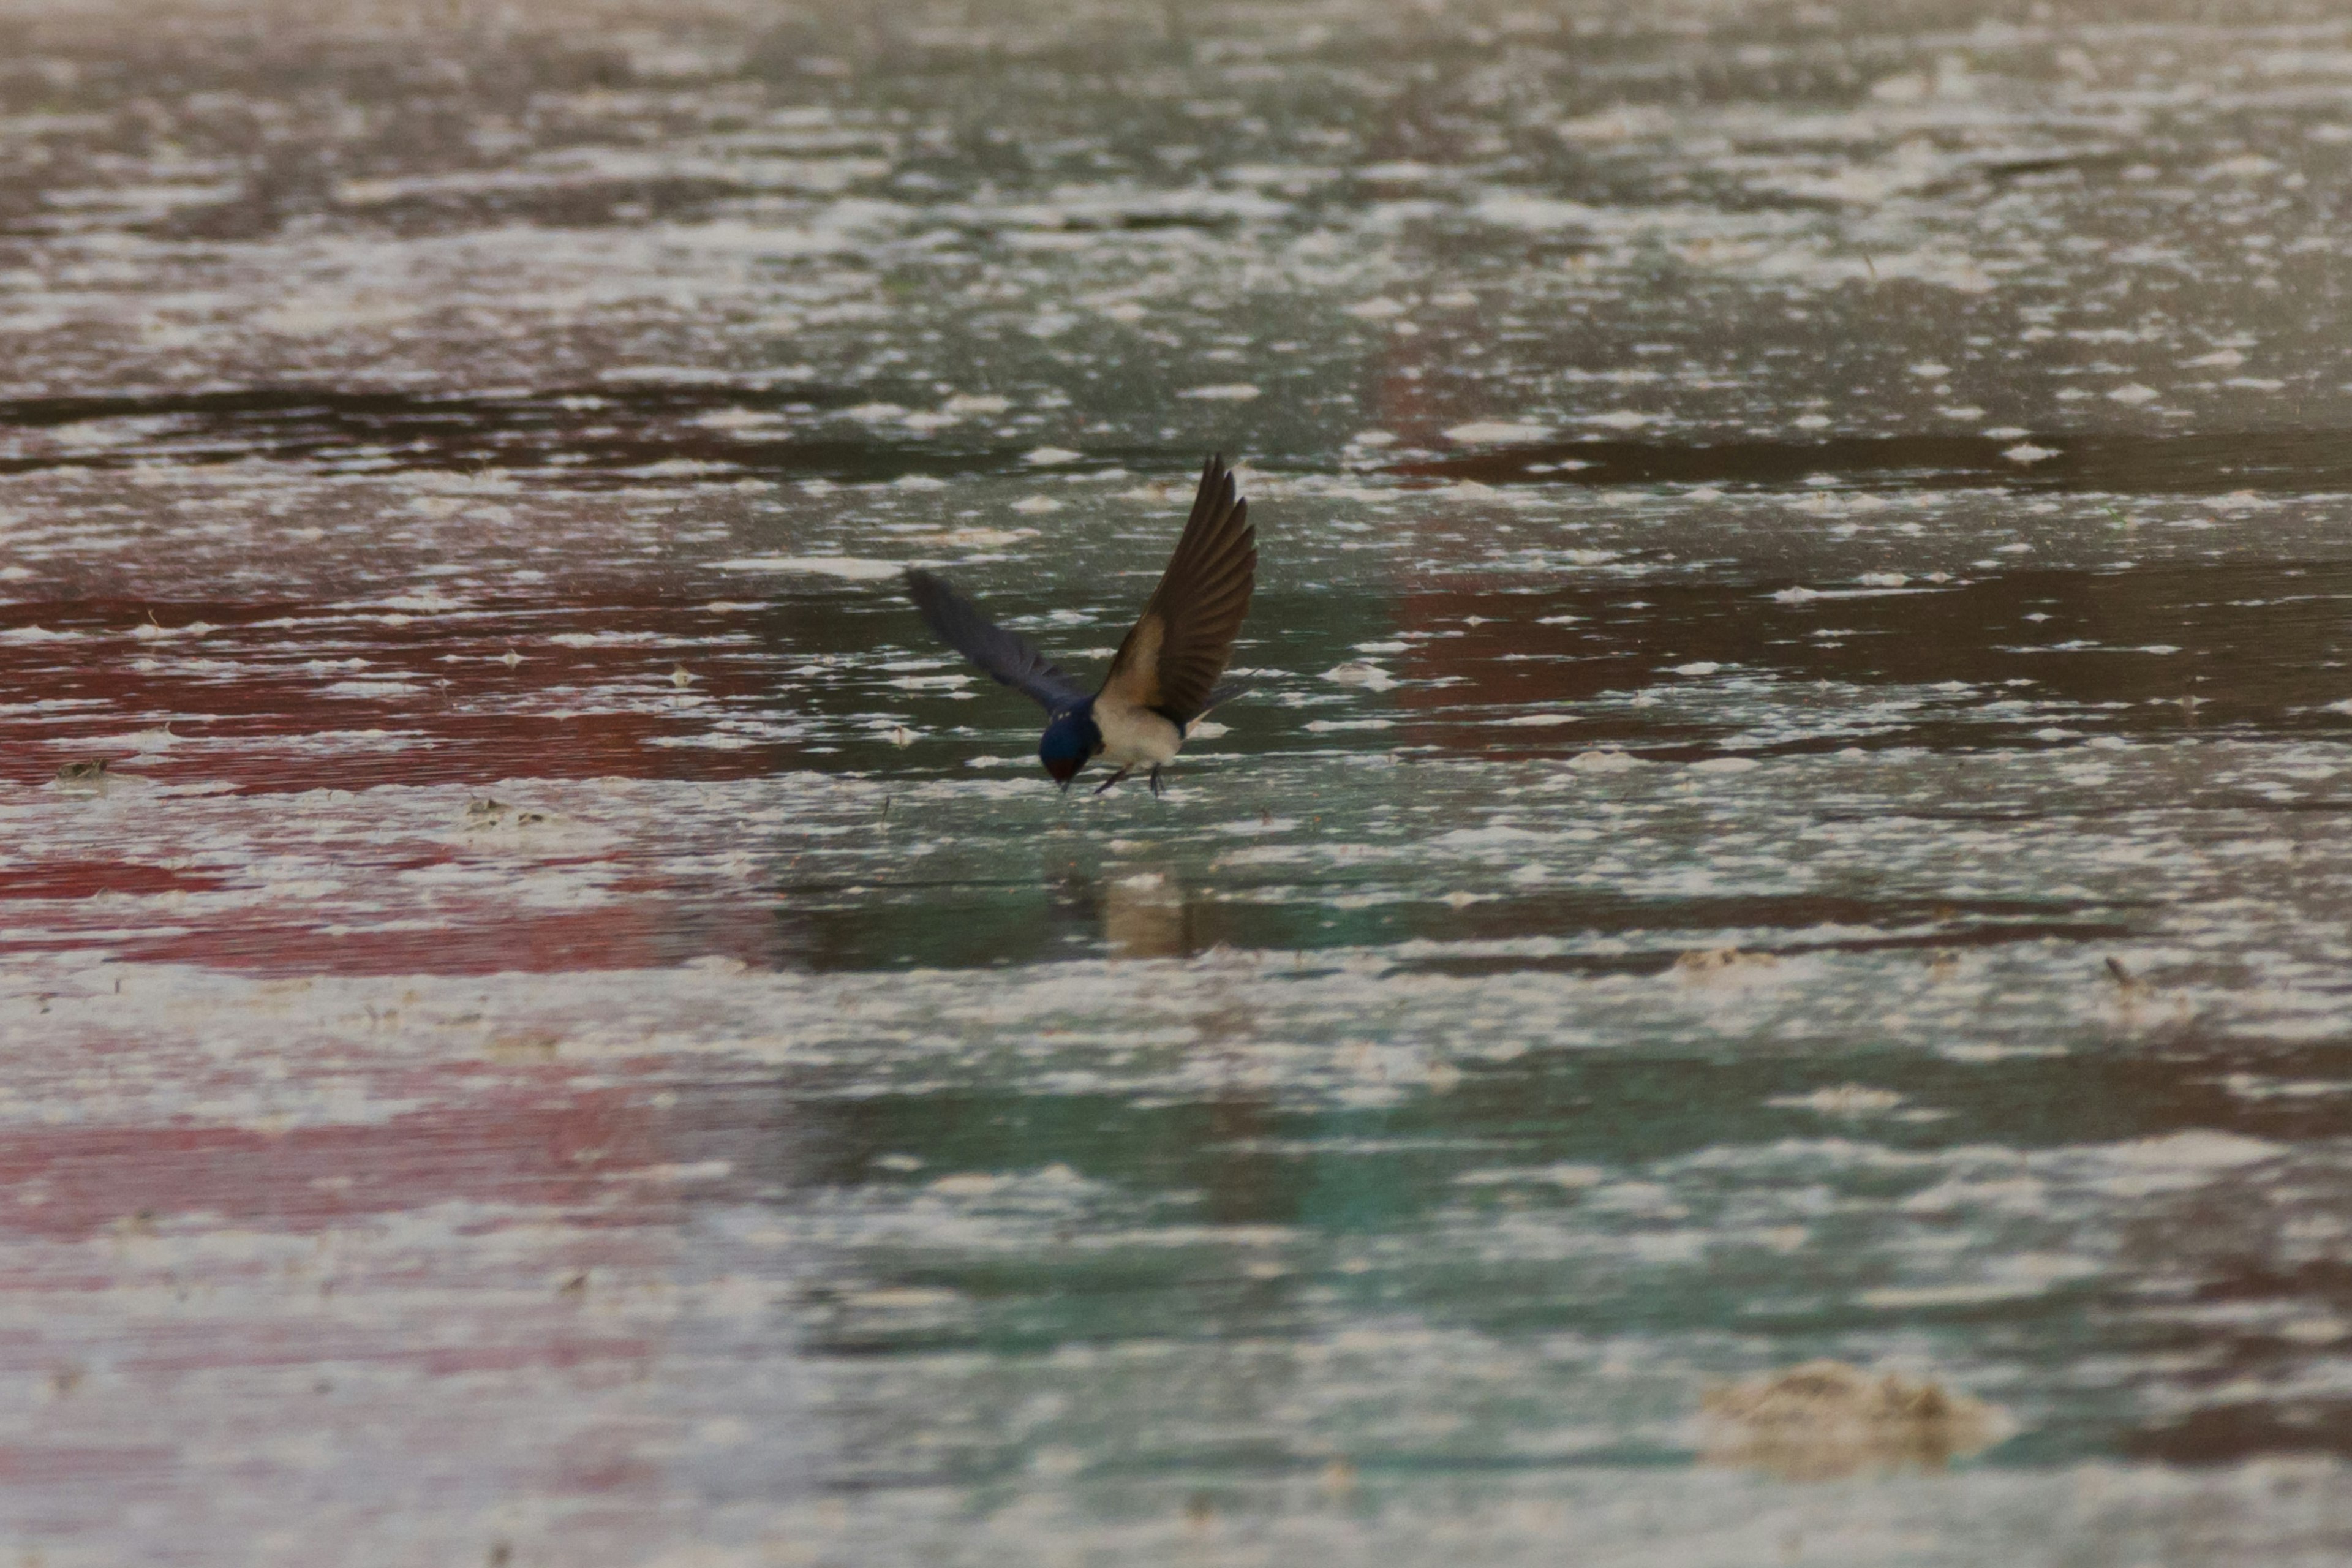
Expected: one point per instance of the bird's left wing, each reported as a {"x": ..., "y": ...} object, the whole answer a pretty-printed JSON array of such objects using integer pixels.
[
  {"x": 1171, "y": 658},
  {"x": 1007, "y": 656}
]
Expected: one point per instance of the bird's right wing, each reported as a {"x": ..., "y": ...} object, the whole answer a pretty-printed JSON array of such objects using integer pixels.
[
  {"x": 1007, "y": 656},
  {"x": 1171, "y": 660}
]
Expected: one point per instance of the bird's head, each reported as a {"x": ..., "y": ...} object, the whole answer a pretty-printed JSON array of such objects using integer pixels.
[{"x": 1070, "y": 742}]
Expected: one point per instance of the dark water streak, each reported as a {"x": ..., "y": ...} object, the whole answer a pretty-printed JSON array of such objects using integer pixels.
[{"x": 2289, "y": 462}]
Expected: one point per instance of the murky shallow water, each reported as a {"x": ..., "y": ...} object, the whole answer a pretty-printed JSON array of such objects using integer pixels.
[{"x": 1796, "y": 809}]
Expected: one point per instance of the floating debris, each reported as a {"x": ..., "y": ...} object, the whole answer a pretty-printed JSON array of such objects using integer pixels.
[
  {"x": 1700, "y": 966},
  {"x": 1826, "y": 1419},
  {"x": 1371, "y": 676},
  {"x": 524, "y": 1046},
  {"x": 489, "y": 813}
]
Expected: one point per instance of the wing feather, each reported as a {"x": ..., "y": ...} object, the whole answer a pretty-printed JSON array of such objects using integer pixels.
[
  {"x": 1006, "y": 656},
  {"x": 1198, "y": 606}
]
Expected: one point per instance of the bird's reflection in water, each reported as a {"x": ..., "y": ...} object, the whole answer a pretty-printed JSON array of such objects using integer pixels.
[{"x": 1147, "y": 914}]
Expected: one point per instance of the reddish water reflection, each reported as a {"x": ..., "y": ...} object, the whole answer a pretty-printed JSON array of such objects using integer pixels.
[{"x": 289, "y": 697}]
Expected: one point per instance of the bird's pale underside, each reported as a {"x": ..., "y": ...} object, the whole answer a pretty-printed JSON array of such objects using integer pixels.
[{"x": 1165, "y": 674}]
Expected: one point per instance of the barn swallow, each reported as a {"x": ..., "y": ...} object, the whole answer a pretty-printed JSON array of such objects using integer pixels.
[{"x": 1164, "y": 676}]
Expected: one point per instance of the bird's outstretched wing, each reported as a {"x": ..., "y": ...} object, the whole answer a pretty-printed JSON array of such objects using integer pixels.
[
  {"x": 1007, "y": 656},
  {"x": 1173, "y": 657},
  {"x": 1225, "y": 692}
]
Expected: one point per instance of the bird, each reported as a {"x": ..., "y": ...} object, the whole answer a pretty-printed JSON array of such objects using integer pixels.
[{"x": 1165, "y": 674}]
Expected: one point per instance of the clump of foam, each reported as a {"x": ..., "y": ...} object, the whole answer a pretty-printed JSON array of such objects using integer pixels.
[{"x": 1825, "y": 1419}]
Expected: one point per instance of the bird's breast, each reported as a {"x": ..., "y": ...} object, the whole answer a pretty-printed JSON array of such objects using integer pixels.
[{"x": 1134, "y": 735}]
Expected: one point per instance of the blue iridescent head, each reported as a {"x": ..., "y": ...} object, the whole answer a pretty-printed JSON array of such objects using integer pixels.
[{"x": 1070, "y": 742}]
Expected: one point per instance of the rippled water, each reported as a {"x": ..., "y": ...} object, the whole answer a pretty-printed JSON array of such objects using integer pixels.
[{"x": 1796, "y": 808}]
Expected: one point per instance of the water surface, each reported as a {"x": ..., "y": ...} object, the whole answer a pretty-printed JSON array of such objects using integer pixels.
[{"x": 1795, "y": 807}]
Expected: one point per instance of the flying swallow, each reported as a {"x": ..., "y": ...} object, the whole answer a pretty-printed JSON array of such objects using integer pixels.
[{"x": 1164, "y": 676}]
